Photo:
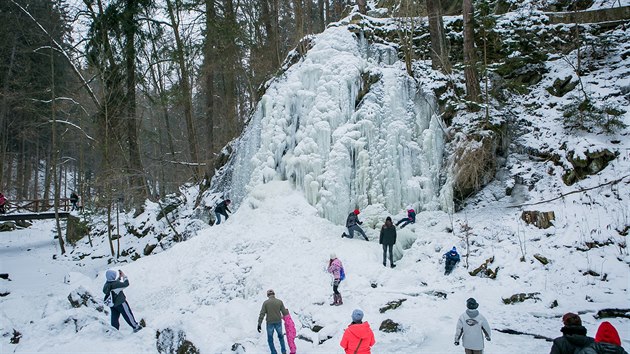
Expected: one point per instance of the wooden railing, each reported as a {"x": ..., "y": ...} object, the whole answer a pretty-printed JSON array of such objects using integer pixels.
[{"x": 36, "y": 206}]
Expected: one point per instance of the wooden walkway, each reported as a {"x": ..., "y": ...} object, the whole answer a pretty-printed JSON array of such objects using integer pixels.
[{"x": 32, "y": 216}]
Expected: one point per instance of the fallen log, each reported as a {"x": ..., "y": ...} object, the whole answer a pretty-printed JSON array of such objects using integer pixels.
[{"x": 536, "y": 336}]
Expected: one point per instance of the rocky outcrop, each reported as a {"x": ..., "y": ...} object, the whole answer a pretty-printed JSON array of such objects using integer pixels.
[{"x": 540, "y": 219}]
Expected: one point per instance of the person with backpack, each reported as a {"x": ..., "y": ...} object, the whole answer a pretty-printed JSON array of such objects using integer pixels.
[
  {"x": 352, "y": 223},
  {"x": 3, "y": 203},
  {"x": 74, "y": 200},
  {"x": 289, "y": 329},
  {"x": 358, "y": 338},
  {"x": 471, "y": 328},
  {"x": 410, "y": 219},
  {"x": 115, "y": 282},
  {"x": 388, "y": 239},
  {"x": 222, "y": 209},
  {"x": 607, "y": 341},
  {"x": 274, "y": 310},
  {"x": 451, "y": 259},
  {"x": 335, "y": 267},
  {"x": 573, "y": 336}
]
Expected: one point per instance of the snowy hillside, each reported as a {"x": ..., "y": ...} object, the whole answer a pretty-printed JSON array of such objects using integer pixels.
[{"x": 296, "y": 177}]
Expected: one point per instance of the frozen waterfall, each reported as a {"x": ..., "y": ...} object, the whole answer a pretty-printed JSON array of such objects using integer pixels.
[{"x": 310, "y": 128}]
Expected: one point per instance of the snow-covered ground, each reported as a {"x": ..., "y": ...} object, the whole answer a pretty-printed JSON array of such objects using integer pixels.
[{"x": 213, "y": 285}]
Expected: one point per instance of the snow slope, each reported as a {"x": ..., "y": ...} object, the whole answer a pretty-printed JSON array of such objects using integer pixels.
[{"x": 212, "y": 286}]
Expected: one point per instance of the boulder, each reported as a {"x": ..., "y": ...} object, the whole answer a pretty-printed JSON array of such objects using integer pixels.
[
  {"x": 389, "y": 326},
  {"x": 540, "y": 219}
]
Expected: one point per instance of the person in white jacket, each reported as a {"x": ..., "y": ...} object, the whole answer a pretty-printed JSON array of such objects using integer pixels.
[{"x": 472, "y": 326}]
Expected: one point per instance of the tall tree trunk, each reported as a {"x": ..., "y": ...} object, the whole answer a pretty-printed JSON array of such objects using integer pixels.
[
  {"x": 473, "y": 91},
  {"x": 299, "y": 19},
  {"x": 439, "y": 52},
  {"x": 186, "y": 90},
  {"x": 321, "y": 16},
  {"x": 4, "y": 110},
  {"x": 55, "y": 149},
  {"x": 136, "y": 180},
  {"x": 362, "y": 7},
  {"x": 209, "y": 72},
  {"x": 308, "y": 16}
]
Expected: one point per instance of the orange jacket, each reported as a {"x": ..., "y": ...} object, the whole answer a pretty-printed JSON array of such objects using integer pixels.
[{"x": 355, "y": 333}]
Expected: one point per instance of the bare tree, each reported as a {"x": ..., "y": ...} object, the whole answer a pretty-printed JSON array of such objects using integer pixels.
[
  {"x": 439, "y": 50},
  {"x": 473, "y": 91}
]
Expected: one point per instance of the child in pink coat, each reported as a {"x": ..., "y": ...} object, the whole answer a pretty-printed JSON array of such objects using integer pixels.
[{"x": 289, "y": 329}]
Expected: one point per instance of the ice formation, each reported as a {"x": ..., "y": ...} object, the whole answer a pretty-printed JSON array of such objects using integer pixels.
[{"x": 349, "y": 128}]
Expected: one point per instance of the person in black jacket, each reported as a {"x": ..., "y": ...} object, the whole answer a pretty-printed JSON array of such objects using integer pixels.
[
  {"x": 388, "y": 239},
  {"x": 222, "y": 209},
  {"x": 116, "y": 282},
  {"x": 352, "y": 223},
  {"x": 573, "y": 336}
]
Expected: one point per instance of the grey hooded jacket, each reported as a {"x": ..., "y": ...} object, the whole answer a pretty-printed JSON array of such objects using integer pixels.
[{"x": 472, "y": 326}]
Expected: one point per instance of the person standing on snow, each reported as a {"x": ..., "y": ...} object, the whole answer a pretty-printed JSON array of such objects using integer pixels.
[
  {"x": 289, "y": 329},
  {"x": 74, "y": 200},
  {"x": 352, "y": 223},
  {"x": 116, "y": 282},
  {"x": 335, "y": 268},
  {"x": 410, "y": 219},
  {"x": 274, "y": 310},
  {"x": 451, "y": 259},
  {"x": 222, "y": 209},
  {"x": 607, "y": 341},
  {"x": 573, "y": 336},
  {"x": 3, "y": 202},
  {"x": 358, "y": 338},
  {"x": 388, "y": 239},
  {"x": 472, "y": 326}
]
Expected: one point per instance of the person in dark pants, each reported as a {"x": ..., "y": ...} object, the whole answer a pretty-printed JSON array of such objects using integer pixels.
[
  {"x": 222, "y": 209},
  {"x": 352, "y": 223},
  {"x": 335, "y": 269},
  {"x": 573, "y": 336},
  {"x": 116, "y": 282},
  {"x": 410, "y": 219},
  {"x": 3, "y": 203},
  {"x": 451, "y": 258},
  {"x": 74, "y": 200},
  {"x": 388, "y": 239}
]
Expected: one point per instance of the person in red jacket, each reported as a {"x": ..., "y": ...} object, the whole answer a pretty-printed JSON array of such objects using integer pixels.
[
  {"x": 607, "y": 341},
  {"x": 358, "y": 337}
]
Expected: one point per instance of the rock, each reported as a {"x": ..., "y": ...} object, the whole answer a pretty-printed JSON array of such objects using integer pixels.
[
  {"x": 389, "y": 326},
  {"x": 302, "y": 337},
  {"x": 23, "y": 224},
  {"x": 562, "y": 87},
  {"x": 7, "y": 226},
  {"x": 238, "y": 348},
  {"x": 521, "y": 298},
  {"x": 591, "y": 163},
  {"x": 540, "y": 219},
  {"x": 16, "y": 337},
  {"x": 541, "y": 259},
  {"x": 436, "y": 293},
  {"x": 609, "y": 313},
  {"x": 80, "y": 297},
  {"x": 76, "y": 229},
  {"x": 554, "y": 304},
  {"x": 5, "y": 276},
  {"x": 149, "y": 248},
  {"x": 169, "y": 341},
  {"x": 392, "y": 305}
]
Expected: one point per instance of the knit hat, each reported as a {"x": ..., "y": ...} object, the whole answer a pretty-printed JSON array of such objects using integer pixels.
[
  {"x": 270, "y": 292},
  {"x": 111, "y": 275},
  {"x": 471, "y": 304},
  {"x": 606, "y": 333},
  {"x": 357, "y": 315},
  {"x": 571, "y": 319},
  {"x": 453, "y": 249},
  {"x": 333, "y": 255},
  {"x": 356, "y": 212}
]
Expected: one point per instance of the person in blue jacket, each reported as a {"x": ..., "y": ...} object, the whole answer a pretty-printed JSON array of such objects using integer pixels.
[
  {"x": 410, "y": 219},
  {"x": 116, "y": 282},
  {"x": 451, "y": 258}
]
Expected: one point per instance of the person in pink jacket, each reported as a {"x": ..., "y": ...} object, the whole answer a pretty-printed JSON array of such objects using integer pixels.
[
  {"x": 289, "y": 329},
  {"x": 334, "y": 268},
  {"x": 358, "y": 337}
]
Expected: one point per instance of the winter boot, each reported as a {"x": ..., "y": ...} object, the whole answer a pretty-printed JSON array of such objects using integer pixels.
[
  {"x": 339, "y": 301},
  {"x": 335, "y": 300}
]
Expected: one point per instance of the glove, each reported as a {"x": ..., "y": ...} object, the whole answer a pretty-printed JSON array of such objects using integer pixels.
[
  {"x": 487, "y": 338},
  {"x": 258, "y": 328},
  {"x": 456, "y": 343}
]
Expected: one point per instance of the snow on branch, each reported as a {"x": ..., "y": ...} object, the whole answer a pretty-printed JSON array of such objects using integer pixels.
[
  {"x": 65, "y": 54},
  {"x": 74, "y": 125}
]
